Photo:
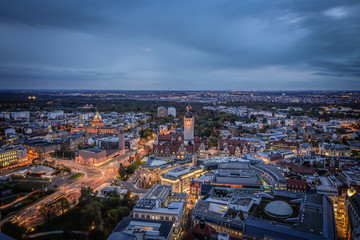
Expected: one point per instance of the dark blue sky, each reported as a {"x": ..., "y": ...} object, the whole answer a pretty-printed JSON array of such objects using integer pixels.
[{"x": 180, "y": 45}]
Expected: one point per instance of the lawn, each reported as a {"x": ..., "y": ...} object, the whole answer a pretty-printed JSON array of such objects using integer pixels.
[{"x": 76, "y": 176}]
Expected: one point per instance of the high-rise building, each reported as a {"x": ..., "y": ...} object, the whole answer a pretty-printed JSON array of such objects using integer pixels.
[
  {"x": 188, "y": 126},
  {"x": 162, "y": 112},
  {"x": 172, "y": 111}
]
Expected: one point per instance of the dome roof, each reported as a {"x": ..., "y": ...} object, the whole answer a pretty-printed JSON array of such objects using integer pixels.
[
  {"x": 97, "y": 117},
  {"x": 278, "y": 209}
]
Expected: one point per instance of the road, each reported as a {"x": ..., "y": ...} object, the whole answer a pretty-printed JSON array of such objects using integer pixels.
[{"x": 93, "y": 176}]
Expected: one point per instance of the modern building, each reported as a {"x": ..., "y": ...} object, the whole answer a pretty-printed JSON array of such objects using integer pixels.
[
  {"x": 239, "y": 176},
  {"x": 92, "y": 156},
  {"x": 140, "y": 229},
  {"x": 179, "y": 178},
  {"x": 296, "y": 216},
  {"x": 353, "y": 206},
  {"x": 8, "y": 156},
  {"x": 159, "y": 204},
  {"x": 151, "y": 171}
]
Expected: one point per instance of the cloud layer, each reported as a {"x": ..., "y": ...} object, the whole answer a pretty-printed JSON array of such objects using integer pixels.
[{"x": 219, "y": 45}]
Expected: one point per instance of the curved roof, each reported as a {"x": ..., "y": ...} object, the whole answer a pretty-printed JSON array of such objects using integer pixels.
[
  {"x": 279, "y": 209},
  {"x": 97, "y": 117},
  {"x": 41, "y": 169}
]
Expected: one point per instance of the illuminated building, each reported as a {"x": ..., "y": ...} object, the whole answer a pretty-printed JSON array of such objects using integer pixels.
[
  {"x": 284, "y": 145},
  {"x": 159, "y": 204},
  {"x": 353, "y": 206},
  {"x": 92, "y": 156},
  {"x": 154, "y": 167},
  {"x": 341, "y": 215},
  {"x": 97, "y": 126},
  {"x": 8, "y": 157},
  {"x": 330, "y": 149},
  {"x": 188, "y": 126},
  {"x": 179, "y": 178},
  {"x": 180, "y": 145}
]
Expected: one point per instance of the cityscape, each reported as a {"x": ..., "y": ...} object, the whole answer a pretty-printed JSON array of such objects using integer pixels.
[{"x": 180, "y": 120}]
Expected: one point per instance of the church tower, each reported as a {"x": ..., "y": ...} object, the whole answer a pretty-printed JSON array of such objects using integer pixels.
[{"x": 188, "y": 126}]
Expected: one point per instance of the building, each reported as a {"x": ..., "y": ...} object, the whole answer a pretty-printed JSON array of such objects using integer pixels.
[
  {"x": 287, "y": 215},
  {"x": 39, "y": 147},
  {"x": 284, "y": 145},
  {"x": 188, "y": 126},
  {"x": 172, "y": 111},
  {"x": 351, "y": 177},
  {"x": 331, "y": 149},
  {"x": 353, "y": 206},
  {"x": 8, "y": 156},
  {"x": 140, "y": 229},
  {"x": 96, "y": 126},
  {"x": 151, "y": 171},
  {"x": 305, "y": 149},
  {"x": 273, "y": 175},
  {"x": 173, "y": 145},
  {"x": 158, "y": 204},
  {"x": 179, "y": 178},
  {"x": 296, "y": 185},
  {"x": 312, "y": 218},
  {"x": 234, "y": 147},
  {"x": 179, "y": 145},
  {"x": 92, "y": 156},
  {"x": 121, "y": 138},
  {"x": 162, "y": 112},
  {"x": 239, "y": 176},
  {"x": 20, "y": 115}
]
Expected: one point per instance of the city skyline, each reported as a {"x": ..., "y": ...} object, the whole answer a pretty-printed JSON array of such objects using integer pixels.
[{"x": 215, "y": 45}]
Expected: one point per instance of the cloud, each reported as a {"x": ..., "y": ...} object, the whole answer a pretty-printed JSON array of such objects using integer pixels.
[
  {"x": 179, "y": 45},
  {"x": 337, "y": 12}
]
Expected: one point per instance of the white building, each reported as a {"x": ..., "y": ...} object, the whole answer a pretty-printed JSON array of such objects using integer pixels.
[
  {"x": 172, "y": 111},
  {"x": 20, "y": 115}
]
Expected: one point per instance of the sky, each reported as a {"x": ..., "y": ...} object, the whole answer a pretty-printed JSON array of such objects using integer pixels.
[{"x": 180, "y": 45}]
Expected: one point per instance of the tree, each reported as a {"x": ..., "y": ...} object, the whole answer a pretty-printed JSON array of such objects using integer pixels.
[
  {"x": 90, "y": 215},
  {"x": 64, "y": 204},
  {"x": 87, "y": 196},
  {"x": 47, "y": 210},
  {"x": 122, "y": 171},
  {"x": 13, "y": 230},
  {"x": 96, "y": 234}
]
